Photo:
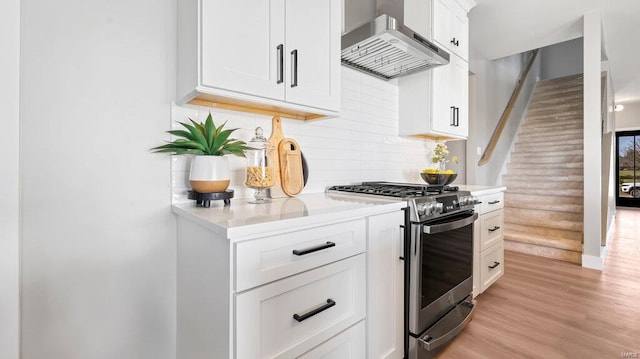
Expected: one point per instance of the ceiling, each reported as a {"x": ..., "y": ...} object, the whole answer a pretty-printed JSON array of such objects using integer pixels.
[{"x": 507, "y": 27}]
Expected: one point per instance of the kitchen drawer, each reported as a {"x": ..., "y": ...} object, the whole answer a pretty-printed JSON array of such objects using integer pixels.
[
  {"x": 349, "y": 344},
  {"x": 491, "y": 265},
  {"x": 491, "y": 226},
  {"x": 267, "y": 259},
  {"x": 490, "y": 202},
  {"x": 266, "y": 324}
]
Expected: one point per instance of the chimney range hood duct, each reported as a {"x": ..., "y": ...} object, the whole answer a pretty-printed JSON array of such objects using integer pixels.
[{"x": 378, "y": 43}]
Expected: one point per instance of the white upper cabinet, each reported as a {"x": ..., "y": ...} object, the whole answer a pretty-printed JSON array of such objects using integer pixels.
[
  {"x": 451, "y": 27},
  {"x": 435, "y": 103},
  {"x": 451, "y": 98},
  {"x": 280, "y": 57}
]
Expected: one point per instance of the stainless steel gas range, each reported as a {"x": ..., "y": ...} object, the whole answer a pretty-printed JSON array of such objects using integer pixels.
[{"x": 438, "y": 261}]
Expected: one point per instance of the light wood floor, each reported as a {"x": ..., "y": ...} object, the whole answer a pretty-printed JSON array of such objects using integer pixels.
[{"x": 544, "y": 308}]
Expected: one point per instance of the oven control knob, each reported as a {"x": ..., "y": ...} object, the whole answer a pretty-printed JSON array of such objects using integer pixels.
[
  {"x": 462, "y": 201},
  {"x": 431, "y": 208},
  {"x": 439, "y": 208},
  {"x": 422, "y": 208}
]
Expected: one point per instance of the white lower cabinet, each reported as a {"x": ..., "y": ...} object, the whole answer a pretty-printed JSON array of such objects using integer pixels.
[
  {"x": 488, "y": 245},
  {"x": 385, "y": 281},
  {"x": 288, "y": 317},
  {"x": 324, "y": 290}
]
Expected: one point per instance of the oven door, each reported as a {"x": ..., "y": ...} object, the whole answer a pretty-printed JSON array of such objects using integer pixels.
[{"x": 441, "y": 268}]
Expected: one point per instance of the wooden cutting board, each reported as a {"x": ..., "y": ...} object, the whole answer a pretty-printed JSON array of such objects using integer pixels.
[
  {"x": 274, "y": 140},
  {"x": 291, "y": 173}
]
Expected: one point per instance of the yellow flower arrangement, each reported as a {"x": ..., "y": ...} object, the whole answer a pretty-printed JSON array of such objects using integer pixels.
[{"x": 441, "y": 157}]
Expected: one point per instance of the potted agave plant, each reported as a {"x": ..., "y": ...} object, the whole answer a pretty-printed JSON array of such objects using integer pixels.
[{"x": 208, "y": 144}]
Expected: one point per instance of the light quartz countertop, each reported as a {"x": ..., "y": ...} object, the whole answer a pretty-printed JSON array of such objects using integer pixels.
[
  {"x": 481, "y": 190},
  {"x": 241, "y": 218}
]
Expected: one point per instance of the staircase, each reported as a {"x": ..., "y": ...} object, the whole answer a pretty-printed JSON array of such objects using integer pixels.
[{"x": 544, "y": 179}]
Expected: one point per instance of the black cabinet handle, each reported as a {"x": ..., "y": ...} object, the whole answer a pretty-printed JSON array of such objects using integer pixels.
[
  {"x": 299, "y": 318},
  {"x": 280, "y": 54},
  {"x": 457, "y": 111},
  {"x": 402, "y": 239},
  {"x": 301, "y": 252},
  {"x": 494, "y": 202},
  {"x": 294, "y": 68},
  {"x": 495, "y": 264},
  {"x": 495, "y": 228},
  {"x": 455, "y": 42},
  {"x": 453, "y": 116}
]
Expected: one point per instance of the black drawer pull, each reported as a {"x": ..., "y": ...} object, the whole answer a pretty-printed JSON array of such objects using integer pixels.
[
  {"x": 299, "y": 318},
  {"x": 495, "y": 228},
  {"x": 495, "y": 264},
  {"x": 301, "y": 252},
  {"x": 494, "y": 202}
]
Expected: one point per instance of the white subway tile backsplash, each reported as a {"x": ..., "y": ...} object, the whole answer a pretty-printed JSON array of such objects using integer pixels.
[{"x": 361, "y": 145}]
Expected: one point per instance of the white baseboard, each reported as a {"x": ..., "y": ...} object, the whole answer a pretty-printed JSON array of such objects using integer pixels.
[{"x": 593, "y": 262}]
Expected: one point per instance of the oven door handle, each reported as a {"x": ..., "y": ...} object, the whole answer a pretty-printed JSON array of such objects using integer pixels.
[
  {"x": 439, "y": 228},
  {"x": 429, "y": 343}
]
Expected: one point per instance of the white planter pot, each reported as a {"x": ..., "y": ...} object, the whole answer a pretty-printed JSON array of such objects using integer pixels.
[{"x": 209, "y": 174}]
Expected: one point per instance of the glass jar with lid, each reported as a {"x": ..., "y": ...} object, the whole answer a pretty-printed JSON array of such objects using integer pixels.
[{"x": 259, "y": 173}]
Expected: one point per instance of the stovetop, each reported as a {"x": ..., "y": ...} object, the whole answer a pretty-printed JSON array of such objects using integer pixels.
[
  {"x": 394, "y": 189},
  {"x": 425, "y": 202}
]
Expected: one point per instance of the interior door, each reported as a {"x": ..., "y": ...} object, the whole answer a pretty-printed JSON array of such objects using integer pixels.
[{"x": 628, "y": 165}]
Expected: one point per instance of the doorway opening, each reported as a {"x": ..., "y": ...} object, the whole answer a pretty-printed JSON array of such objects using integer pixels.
[{"x": 628, "y": 168}]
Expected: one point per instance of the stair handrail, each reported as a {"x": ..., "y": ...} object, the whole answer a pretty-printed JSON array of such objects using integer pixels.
[{"x": 497, "y": 132}]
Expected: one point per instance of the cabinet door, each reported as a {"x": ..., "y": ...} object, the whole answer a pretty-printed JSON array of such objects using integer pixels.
[
  {"x": 451, "y": 98},
  {"x": 459, "y": 92},
  {"x": 289, "y": 317},
  {"x": 451, "y": 27},
  {"x": 460, "y": 31},
  {"x": 491, "y": 225},
  {"x": 239, "y": 46},
  {"x": 313, "y": 53},
  {"x": 491, "y": 265},
  {"x": 270, "y": 258},
  {"x": 442, "y": 107},
  {"x": 349, "y": 344},
  {"x": 385, "y": 291},
  {"x": 442, "y": 23}
]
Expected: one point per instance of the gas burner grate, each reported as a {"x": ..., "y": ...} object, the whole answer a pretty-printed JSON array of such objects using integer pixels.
[{"x": 392, "y": 189}]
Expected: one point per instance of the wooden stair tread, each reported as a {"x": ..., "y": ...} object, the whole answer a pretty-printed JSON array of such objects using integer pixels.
[
  {"x": 543, "y": 240},
  {"x": 542, "y": 198},
  {"x": 544, "y": 231},
  {"x": 544, "y": 216},
  {"x": 542, "y": 205},
  {"x": 542, "y": 251}
]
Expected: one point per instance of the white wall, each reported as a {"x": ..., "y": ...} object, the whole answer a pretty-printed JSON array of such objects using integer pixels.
[
  {"x": 562, "y": 59},
  {"x": 9, "y": 178},
  {"x": 591, "y": 257},
  {"x": 629, "y": 118},
  {"x": 494, "y": 83},
  {"x": 360, "y": 145},
  {"x": 98, "y": 240}
]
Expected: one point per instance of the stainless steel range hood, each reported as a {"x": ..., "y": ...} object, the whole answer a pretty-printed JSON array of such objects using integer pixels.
[{"x": 378, "y": 43}]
